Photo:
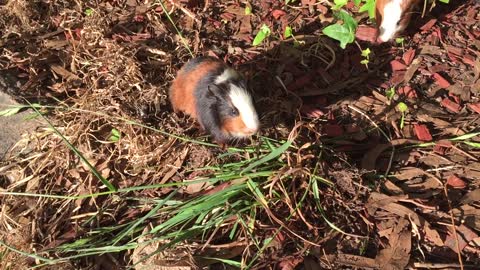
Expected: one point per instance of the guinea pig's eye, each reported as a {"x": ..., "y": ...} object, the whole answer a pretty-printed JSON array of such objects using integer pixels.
[{"x": 233, "y": 112}]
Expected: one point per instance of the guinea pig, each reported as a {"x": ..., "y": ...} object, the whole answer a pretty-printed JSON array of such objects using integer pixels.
[
  {"x": 217, "y": 97},
  {"x": 392, "y": 17}
]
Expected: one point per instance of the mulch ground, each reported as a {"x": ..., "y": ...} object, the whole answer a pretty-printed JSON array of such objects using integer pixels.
[{"x": 405, "y": 194}]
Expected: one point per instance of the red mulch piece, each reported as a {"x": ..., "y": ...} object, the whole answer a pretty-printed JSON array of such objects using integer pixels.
[
  {"x": 445, "y": 143},
  {"x": 333, "y": 130},
  {"x": 408, "y": 92},
  {"x": 469, "y": 59},
  {"x": 455, "y": 98},
  {"x": 397, "y": 77},
  {"x": 277, "y": 13},
  {"x": 311, "y": 111},
  {"x": 442, "y": 82},
  {"x": 456, "y": 182},
  {"x": 408, "y": 56},
  {"x": 450, "y": 105},
  {"x": 397, "y": 65},
  {"x": 474, "y": 107},
  {"x": 455, "y": 50},
  {"x": 428, "y": 25},
  {"x": 464, "y": 235},
  {"x": 453, "y": 57},
  {"x": 352, "y": 128},
  {"x": 439, "y": 149},
  {"x": 422, "y": 132},
  {"x": 366, "y": 33},
  {"x": 300, "y": 82}
]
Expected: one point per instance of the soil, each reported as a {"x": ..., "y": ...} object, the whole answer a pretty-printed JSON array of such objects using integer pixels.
[{"x": 394, "y": 144}]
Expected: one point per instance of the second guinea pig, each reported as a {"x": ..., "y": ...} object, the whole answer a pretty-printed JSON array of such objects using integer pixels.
[
  {"x": 217, "y": 97},
  {"x": 392, "y": 17}
]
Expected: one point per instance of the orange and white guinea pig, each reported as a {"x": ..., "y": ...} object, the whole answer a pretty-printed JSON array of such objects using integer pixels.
[
  {"x": 217, "y": 97},
  {"x": 392, "y": 17}
]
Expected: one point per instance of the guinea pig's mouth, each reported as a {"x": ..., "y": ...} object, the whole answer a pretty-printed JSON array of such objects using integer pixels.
[{"x": 243, "y": 133}]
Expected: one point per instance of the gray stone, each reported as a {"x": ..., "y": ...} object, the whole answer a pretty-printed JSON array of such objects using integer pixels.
[{"x": 12, "y": 127}]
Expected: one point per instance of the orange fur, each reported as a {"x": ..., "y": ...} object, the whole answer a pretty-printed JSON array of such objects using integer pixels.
[
  {"x": 234, "y": 125},
  {"x": 183, "y": 87}
]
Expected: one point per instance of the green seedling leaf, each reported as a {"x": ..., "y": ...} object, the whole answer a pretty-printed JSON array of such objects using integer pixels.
[
  {"x": 345, "y": 33},
  {"x": 10, "y": 112},
  {"x": 288, "y": 32},
  {"x": 366, "y": 53},
  {"x": 399, "y": 40},
  {"x": 369, "y": 6},
  {"x": 114, "y": 135},
  {"x": 365, "y": 62},
  {"x": 390, "y": 93},
  {"x": 248, "y": 10},
  {"x": 88, "y": 11},
  {"x": 261, "y": 35},
  {"x": 473, "y": 144},
  {"x": 445, "y": 1},
  {"x": 225, "y": 261},
  {"x": 357, "y": 2},
  {"x": 465, "y": 137},
  {"x": 339, "y": 4},
  {"x": 402, "y": 107}
]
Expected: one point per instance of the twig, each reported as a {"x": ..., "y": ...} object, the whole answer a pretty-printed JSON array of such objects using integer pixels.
[
  {"x": 185, "y": 10},
  {"x": 459, "y": 253},
  {"x": 439, "y": 265}
]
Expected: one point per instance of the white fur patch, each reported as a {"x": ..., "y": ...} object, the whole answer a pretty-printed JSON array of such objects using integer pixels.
[
  {"x": 242, "y": 100},
  {"x": 226, "y": 75},
  {"x": 392, "y": 13}
]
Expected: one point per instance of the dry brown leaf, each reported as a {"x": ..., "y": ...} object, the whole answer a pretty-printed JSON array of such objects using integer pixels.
[
  {"x": 472, "y": 196},
  {"x": 468, "y": 215},
  {"x": 370, "y": 159},
  {"x": 464, "y": 236},
  {"x": 352, "y": 260},
  {"x": 409, "y": 173},
  {"x": 176, "y": 259},
  {"x": 177, "y": 165},
  {"x": 397, "y": 254},
  {"x": 387, "y": 203}
]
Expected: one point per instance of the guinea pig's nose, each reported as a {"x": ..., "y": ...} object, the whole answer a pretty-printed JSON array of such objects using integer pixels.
[{"x": 381, "y": 30}]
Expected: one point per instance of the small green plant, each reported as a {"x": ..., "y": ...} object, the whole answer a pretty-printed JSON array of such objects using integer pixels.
[
  {"x": 248, "y": 9},
  {"x": 114, "y": 135},
  {"x": 339, "y": 4},
  {"x": 261, "y": 35},
  {"x": 369, "y": 6},
  {"x": 390, "y": 93},
  {"x": 366, "y": 56},
  {"x": 403, "y": 108},
  {"x": 444, "y": 1},
  {"x": 345, "y": 33},
  {"x": 88, "y": 12},
  {"x": 288, "y": 32}
]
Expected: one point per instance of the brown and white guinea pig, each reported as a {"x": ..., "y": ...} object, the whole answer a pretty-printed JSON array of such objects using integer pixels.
[
  {"x": 392, "y": 17},
  {"x": 217, "y": 97}
]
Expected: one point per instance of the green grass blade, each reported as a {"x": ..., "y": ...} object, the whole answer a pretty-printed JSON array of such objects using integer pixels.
[{"x": 275, "y": 153}]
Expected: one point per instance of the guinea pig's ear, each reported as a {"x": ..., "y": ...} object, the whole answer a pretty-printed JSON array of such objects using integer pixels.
[{"x": 214, "y": 90}]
